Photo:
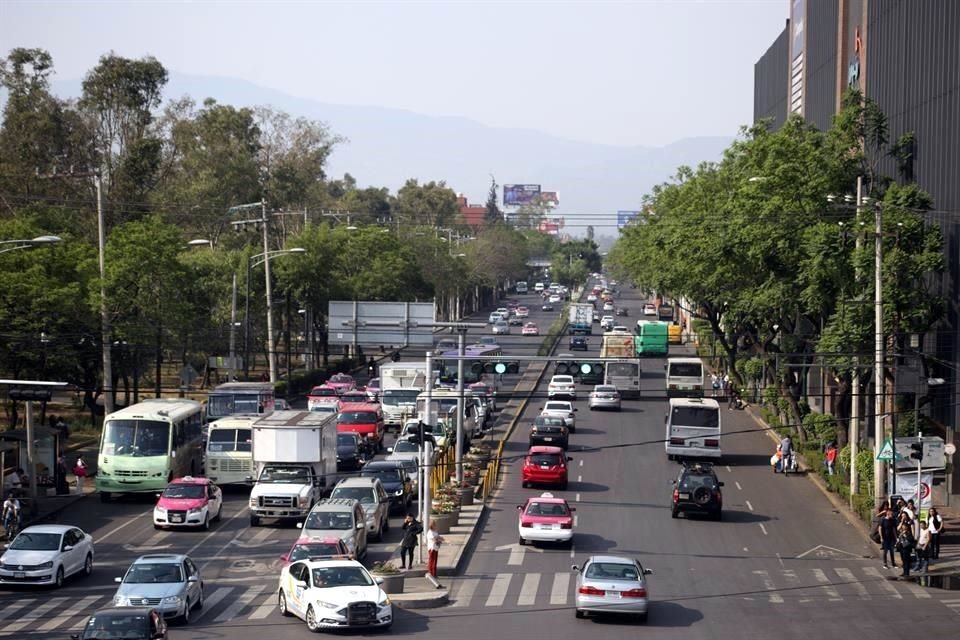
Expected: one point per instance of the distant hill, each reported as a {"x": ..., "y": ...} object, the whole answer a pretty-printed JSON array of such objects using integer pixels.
[{"x": 387, "y": 146}]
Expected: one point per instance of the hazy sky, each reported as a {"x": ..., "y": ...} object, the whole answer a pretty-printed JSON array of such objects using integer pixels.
[{"x": 640, "y": 72}]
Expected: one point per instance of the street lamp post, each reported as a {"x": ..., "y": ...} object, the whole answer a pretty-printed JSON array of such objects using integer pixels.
[{"x": 39, "y": 241}]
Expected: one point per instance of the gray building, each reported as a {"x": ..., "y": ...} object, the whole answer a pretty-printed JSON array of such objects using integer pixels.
[{"x": 905, "y": 55}]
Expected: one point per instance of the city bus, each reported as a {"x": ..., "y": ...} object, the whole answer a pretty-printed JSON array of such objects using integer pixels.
[
  {"x": 693, "y": 429},
  {"x": 652, "y": 338},
  {"x": 684, "y": 377},
  {"x": 240, "y": 398},
  {"x": 229, "y": 451},
  {"x": 624, "y": 374},
  {"x": 145, "y": 446}
]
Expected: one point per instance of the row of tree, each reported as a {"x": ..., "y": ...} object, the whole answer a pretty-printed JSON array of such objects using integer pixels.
[{"x": 782, "y": 276}]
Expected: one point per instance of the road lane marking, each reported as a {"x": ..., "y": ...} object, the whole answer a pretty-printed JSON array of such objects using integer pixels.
[
  {"x": 268, "y": 606},
  {"x": 240, "y": 603},
  {"x": 729, "y": 470},
  {"x": 100, "y": 538},
  {"x": 10, "y": 608},
  {"x": 558, "y": 591},
  {"x": 576, "y": 519},
  {"x": 821, "y": 576},
  {"x": 528, "y": 590},
  {"x": 498, "y": 592},
  {"x": 764, "y": 529},
  {"x": 847, "y": 576},
  {"x": 464, "y": 592},
  {"x": 579, "y": 478},
  {"x": 581, "y": 463},
  {"x": 577, "y": 498},
  {"x": 739, "y": 488},
  {"x": 916, "y": 589},
  {"x": 793, "y": 582},
  {"x": 209, "y": 602},
  {"x": 76, "y": 609},
  {"x": 780, "y": 560},
  {"x": 749, "y": 506},
  {"x": 573, "y": 551},
  {"x": 874, "y": 573},
  {"x": 774, "y": 598},
  {"x": 39, "y": 613}
]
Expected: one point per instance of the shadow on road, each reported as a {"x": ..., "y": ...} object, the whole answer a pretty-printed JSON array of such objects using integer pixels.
[
  {"x": 747, "y": 460},
  {"x": 588, "y": 487},
  {"x": 592, "y": 543}
]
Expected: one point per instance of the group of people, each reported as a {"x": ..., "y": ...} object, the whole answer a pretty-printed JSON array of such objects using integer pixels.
[
  {"x": 412, "y": 528},
  {"x": 722, "y": 387},
  {"x": 898, "y": 531}
]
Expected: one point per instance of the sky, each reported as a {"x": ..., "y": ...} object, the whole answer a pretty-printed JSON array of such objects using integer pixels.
[{"x": 642, "y": 72}]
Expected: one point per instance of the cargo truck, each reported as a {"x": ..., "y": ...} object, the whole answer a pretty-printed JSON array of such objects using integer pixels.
[
  {"x": 580, "y": 319},
  {"x": 400, "y": 384},
  {"x": 652, "y": 338}
]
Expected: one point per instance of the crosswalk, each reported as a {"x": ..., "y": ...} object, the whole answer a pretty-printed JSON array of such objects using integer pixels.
[{"x": 770, "y": 587}]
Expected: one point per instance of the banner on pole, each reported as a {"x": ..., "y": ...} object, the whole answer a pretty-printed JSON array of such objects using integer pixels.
[{"x": 907, "y": 487}]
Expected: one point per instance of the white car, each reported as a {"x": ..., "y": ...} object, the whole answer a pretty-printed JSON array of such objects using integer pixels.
[
  {"x": 555, "y": 298},
  {"x": 605, "y": 396},
  {"x": 649, "y": 310},
  {"x": 620, "y": 329},
  {"x": 333, "y": 594},
  {"x": 47, "y": 554},
  {"x": 591, "y": 297},
  {"x": 608, "y": 307},
  {"x": 496, "y": 316},
  {"x": 606, "y": 323},
  {"x": 562, "y": 386},
  {"x": 500, "y": 328},
  {"x": 561, "y": 409}
]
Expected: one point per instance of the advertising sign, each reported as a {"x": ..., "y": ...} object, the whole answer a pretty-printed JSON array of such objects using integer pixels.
[
  {"x": 368, "y": 324},
  {"x": 550, "y": 197},
  {"x": 625, "y": 217},
  {"x": 515, "y": 195},
  {"x": 907, "y": 488}
]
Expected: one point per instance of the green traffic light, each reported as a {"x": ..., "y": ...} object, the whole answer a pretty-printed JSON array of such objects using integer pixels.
[
  {"x": 500, "y": 367},
  {"x": 586, "y": 367}
]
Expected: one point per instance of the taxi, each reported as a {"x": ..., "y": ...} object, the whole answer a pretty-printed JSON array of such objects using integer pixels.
[
  {"x": 545, "y": 465},
  {"x": 333, "y": 594},
  {"x": 188, "y": 502},
  {"x": 307, "y": 547},
  {"x": 322, "y": 395},
  {"x": 545, "y": 518},
  {"x": 341, "y": 383},
  {"x": 530, "y": 329}
]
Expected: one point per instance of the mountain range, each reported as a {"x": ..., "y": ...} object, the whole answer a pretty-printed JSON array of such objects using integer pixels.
[{"x": 386, "y": 146}]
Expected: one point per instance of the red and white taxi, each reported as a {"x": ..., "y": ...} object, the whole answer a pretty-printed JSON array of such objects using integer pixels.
[
  {"x": 341, "y": 382},
  {"x": 188, "y": 502},
  {"x": 323, "y": 395},
  {"x": 545, "y": 519},
  {"x": 523, "y": 312},
  {"x": 545, "y": 465},
  {"x": 318, "y": 549},
  {"x": 530, "y": 329}
]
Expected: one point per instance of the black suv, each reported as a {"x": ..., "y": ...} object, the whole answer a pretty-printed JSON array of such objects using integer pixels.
[
  {"x": 578, "y": 342},
  {"x": 395, "y": 481},
  {"x": 350, "y": 457},
  {"x": 697, "y": 490},
  {"x": 550, "y": 431}
]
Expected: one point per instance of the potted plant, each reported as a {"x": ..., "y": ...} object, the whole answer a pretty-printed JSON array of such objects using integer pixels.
[
  {"x": 465, "y": 490},
  {"x": 444, "y": 513},
  {"x": 389, "y": 576}
]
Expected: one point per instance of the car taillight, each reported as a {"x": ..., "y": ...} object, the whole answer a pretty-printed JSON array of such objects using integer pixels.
[
  {"x": 567, "y": 525},
  {"x": 679, "y": 441},
  {"x": 676, "y": 495},
  {"x": 591, "y": 591},
  {"x": 711, "y": 442},
  {"x": 526, "y": 525},
  {"x": 634, "y": 593}
]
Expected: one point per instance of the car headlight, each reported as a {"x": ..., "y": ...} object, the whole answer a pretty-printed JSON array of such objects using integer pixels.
[
  {"x": 171, "y": 600},
  {"x": 45, "y": 565},
  {"x": 327, "y": 605},
  {"x": 385, "y": 601},
  {"x": 253, "y": 501},
  {"x": 160, "y": 510},
  {"x": 371, "y": 519},
  {"x": 121, "y": 601},
  {"x": 196, "y": 510},
  {"x": 398, "y": 492}
]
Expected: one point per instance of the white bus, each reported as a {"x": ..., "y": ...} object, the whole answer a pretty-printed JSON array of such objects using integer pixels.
[
  {"x": 229, "y": 451},
  {"x": 693, "y": 428},
  {"x": 443, "y": 400},
  {"x": 240, "y": 398},
  {"x": 146, "y": 445},
  {"x": 522, "y": 287},
  {"x": 684, "y": 378},
  {"x": 624, "y": 374}
]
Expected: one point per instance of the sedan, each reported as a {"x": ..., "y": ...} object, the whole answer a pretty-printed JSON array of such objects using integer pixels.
[
  {"x": 129, "y": 623},
  {"x": 530, "y": 329},
  {"x": 649, "y": 310},
  {"x": 523, "y": 312},
  {"x": 612, "y": 584},
  {"x": 500, "y": 328},
  {"x": 333, "y": 594},
  {"x": 47, "y": 554},
  {"x": 556, "y": 298},
  {"x": 317, "y": 548},
  {"x": 169, "y": 582},
  {"x": 578, "y": 343},
  {"x": 549, "y": 430},
  {"x": 561, "y": 409},
  {"x": 545, "y": 519},
  {"x": 562, "y": 386},
  {"x": 605, "y": 396},
  {"x": 547, "y": 306}
]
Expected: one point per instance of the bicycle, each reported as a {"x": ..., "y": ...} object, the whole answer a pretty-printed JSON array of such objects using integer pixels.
[{"x": 11, "y": 524}]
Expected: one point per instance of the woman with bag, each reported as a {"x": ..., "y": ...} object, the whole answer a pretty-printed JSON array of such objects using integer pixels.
[
  {"x": 80, "y": 470},
  {"x": 905, "y": 545}
]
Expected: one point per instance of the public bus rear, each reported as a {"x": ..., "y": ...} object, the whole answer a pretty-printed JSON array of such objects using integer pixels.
[{"x": 693, "y": 428}]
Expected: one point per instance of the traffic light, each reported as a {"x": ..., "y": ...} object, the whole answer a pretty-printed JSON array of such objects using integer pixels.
[
  {"x": 916, "y": 451},
  {"x": 477, "y": 367},
  {"x": 574, "y": 368},
  {"x": 566, "y": 368},
  {"x": 501, "y": 367}
]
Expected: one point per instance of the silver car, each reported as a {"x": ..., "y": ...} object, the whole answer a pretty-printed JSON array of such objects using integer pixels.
[
  {"x": 170, "y": 583},
  {"x": 500, "y": 327},
  {"x": 605, "y": 396},
  {"x": 612, "y": 584}
]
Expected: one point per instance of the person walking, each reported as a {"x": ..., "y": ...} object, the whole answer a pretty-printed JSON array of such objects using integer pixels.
[
  {"x": 830, "y": 457},
  {"x": 906, "y": 543},
  {"x": 411, "y": 534},
  {"x": 922, "y": 562},
  {"x": 434, "y": 540},
  {"x": 888, "y": 537},
  {"x": 80, "y": 470},
  {"x": 62, "y": 486},
  {"x": 936, "y": 528}
]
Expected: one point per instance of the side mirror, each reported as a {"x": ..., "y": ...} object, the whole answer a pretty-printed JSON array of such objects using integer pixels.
[
  {"x": 378, "y": 579},
  {"x": 664, "y": 366},
  {"x": 249, "y": 478},
  {"x": 76, "y": 636},
  {"x": 673, "y": 482},
  {"x": 360, "y": 526},
  {"x": 519, "y": 507},
  {"x": 569, "y": 458},
  {"x": 575, "y": 409},
  {"x": 157, "y": 495},
  {"x": 118, "y": 580},
  {"x": 301, "y": 583},
  {"x": 284, "y": 558},
  {"x": 193, "y": 579},
  {"x": 648, "y": 572},
  {"x": 573, "y": 508},
  {"x": 389, "y": 449},
  {"x": 68, "y": 547},
  {"x": 574, "y": 567},
  {"x": 299, "y": 525}
]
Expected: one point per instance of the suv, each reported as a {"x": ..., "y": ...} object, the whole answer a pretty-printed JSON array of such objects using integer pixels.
[
  {"x": 339, "y": 518},
  {"x": 133, "y": 623},
  {"x": 562, "y": 386},
  {"x": 372, "y": 497},
  {"x": 578, "y": 343},
  {"x": 697, "y": 490},
  {"x": 395, "y": 482}
]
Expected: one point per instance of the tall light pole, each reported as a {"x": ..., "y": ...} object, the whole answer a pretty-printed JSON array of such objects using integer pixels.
[
  {"x": 105, "y": 341},
  {"x": 39, "y": 241},
  {"x": 254, "y": 261},
  {"x": 878, "y": 356}
]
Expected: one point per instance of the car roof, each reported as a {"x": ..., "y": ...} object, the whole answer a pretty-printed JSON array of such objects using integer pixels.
[
  {"x": 318, "y": 540},
  {"x": 604, "y": 387},
  {"x": 357, "y": 481},
  {"x": 316, "y": 564},
  {"x": 542, "y": 448},
  {"x": 546, "y": 497},
  {"x": 191, "y": 480},
  {"x": 123, "y": 611},
  {"x": 49, "y": 528},
  {"x": 360, "y": 406},
  {"x": 385, "y": 464},
  {"x": 161, "y": 558},
  {"x": 694, "y": 402},
  {"x": 562, "y": 375},
  {"x": 335, "y": 504},
  {"x": 612, "y": 559}
]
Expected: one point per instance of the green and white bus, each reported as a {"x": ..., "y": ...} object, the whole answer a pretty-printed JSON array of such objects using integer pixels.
[{"x": 146, "y": 445}]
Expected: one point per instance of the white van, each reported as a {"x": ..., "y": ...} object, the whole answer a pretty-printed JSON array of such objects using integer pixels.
[
  {"x": 684, "y": 378},
  {"x": 538, "y": 287},
  {"x": 229, "y": 452},
  {"x": 693, "y": 428}
]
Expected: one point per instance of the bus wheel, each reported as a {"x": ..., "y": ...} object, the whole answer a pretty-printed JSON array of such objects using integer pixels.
[{"x": 105, "y": 497}]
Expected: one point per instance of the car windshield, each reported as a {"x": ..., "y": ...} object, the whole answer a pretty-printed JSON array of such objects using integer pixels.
[
  {"x": 225, "y": 440},
  {"x": 563, "y": 379},
  {"x": 147, "y": 573},
  {"x": 354, "y": 396},
  {"x": 605, "y": 389},
  {"x": 324, "y": 577},
  {"x": 545, "y": 459},
  {"x": 364, "y": 494},
  {"x": 184, "y": 491},
  {"x": 346, "y": 440},
  {"x": 557, "y": 406},
  {"x": 116, "y": 626},
  {"x": 357, "y": 417},
  {"x": 32, "y": 541},
  {"x": 612, "y": 571},
  {"x": 626, "y": 369},
  {"x": 341, "y": 520},
  {"x": 323, "y": 391},
  {"x": 399, "y": 396},
  {"x": 691, "y": 481},
  {"x": 685, "y": 370},
  {"x": 557, "y": 509},
  {"x": 403, "y": 446},
  {"x": 373, "y": 383},
  {"x": 136, "y": 438},
  {"x": 548, "y": 421},
  {"x": 284, "y": 475},
  {"x": 386, "y": 475},
  {"x": 314, "y": 550},
  {"x": 341, "y": 378}
]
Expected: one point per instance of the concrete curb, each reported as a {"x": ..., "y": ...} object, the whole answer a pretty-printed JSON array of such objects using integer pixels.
[{"x": 421, "y": 599}]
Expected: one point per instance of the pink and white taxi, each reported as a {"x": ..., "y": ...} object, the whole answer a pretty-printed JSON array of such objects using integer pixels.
[{"x": 188, "y": 502}]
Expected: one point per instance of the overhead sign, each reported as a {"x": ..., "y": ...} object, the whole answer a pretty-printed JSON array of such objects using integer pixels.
[
  {"x": 625, "y": 217},
  {"x": 515, "y": 195},
  {"x": 934, "y": 456},
  {"x": 397, "y": 324}
]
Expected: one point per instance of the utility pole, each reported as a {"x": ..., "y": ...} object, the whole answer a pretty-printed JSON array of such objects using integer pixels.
[
  {"x": 878, "y": 356},
  {"x": 458, "y": 452},
  {"x": 271, "y": 350},
  {"x": 854, "y": 436},
  {"x": 233, "y": 329}
]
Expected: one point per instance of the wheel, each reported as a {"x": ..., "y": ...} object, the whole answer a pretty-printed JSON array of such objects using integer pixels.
[
  {"x": 673, "y": 513},
  {"x": 581, "y": 614},
  {"x": 206, "y": 522},
  {"x": 185, "y": 617},
  {"x": 378, "y": 536},
  {"x": 88, "y": 565},
  {"x": 199, "y": 603},
  {"x": 282, "y": 605},
  {"x": 219, "y": 513},
  {"x": 157, "y": 527},
  {"x": 311, "y": 620},
  {"x": 522, "y": 542},
  {"x": 386, "y": 525},
  {"x": 58, "y": 579},
  {"x": 105, "y": 497},
  {"x": 254, "y": 521}
]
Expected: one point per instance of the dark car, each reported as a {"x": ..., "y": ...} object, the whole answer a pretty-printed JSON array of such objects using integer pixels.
[
  {"x": 549, "y": 430},
  {"x": 350, "y": 456},
  {"x": 621, "y": 311},
  {"x": 395, "y": 482},
  {"x": 547, "y": 306},
  {"x": 129, "y": 623},
  {"x": 697, "y": 490},
  {"x": 578, "y": 343}
]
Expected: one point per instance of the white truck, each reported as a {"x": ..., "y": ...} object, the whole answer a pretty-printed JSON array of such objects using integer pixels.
[
  {"x": 295, "y": 462},
  {"x": 400, "y": 384}
]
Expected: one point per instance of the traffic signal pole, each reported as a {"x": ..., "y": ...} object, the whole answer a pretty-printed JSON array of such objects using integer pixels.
[{"x": 458, "y": 452}]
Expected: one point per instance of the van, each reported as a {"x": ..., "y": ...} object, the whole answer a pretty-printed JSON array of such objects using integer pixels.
[
  {"x": 693, "y": 428},
  {"x": 538, "y": 287},
  {"x": 339, "y": 518},
  {"x": 684, "y": 377},
  {"x": 364, "y": 419},
  {"x": 374, "y": 500}
]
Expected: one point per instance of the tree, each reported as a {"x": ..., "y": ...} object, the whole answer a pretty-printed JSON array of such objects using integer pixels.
[
  {"x": 433, "y": 204},
  {"x": 492, "y": 215}
]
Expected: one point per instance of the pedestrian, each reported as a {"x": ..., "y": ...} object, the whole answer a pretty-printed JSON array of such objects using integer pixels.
[
  {"x": 731, "y": 398},
  {"x": 80, "y": 470},
  {"x": 936, "y": 528},
  {"x": 63, "y": 487},
  {"x": 908, "y": 511},
  {"x": 411, "y": 534},
  {"x": 715, "y": 383},
  {"x": 922, "y": 563},
  {"x": 371, "y": 369},
  {"x": 434, "y": 540},
  {"x": 906, "y": 543},
  {"x": 830, "y": 458},
  {"x": 888, "y": 537}
]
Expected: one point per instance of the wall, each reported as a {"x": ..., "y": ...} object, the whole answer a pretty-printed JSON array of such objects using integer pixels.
[
  {"x": 821, "y": 63},
  {"x": 770, "y": 81}
]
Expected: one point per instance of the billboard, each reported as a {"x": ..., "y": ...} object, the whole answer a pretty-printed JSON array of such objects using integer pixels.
[
  {"x": 550, "y": 197},
  {"x": 625, "y": 217},
  {"x": 515, "y": 195},
  {"x": 397, "y": 324}
]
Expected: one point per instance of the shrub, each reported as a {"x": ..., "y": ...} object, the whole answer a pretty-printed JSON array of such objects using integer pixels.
[
  {"x": 822, "y": 425},
  {"x": 384, "y": 568}
]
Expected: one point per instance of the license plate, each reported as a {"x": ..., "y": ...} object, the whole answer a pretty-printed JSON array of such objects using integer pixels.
[
  {"x": 176, "y": 518},
  {"x": 613, "y": 595},
  {"x": 548, "y": 439},
  {"x": 685, "y": 496},
  {"x": 19, "y": 574}
]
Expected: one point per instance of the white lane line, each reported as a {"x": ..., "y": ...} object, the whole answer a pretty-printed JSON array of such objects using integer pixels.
[
  {"x": 739, "y": 488},
  {"x": 576, "y": 519},
  {"x": 127, "y": 523},
  {"x": 821, "y": 576},
  {"x": 764, "y": 529},
  {"x": 774, "y": 598},
  {"x": 498, "y": 592},
  {"x": 240, "y": 603},
  {"x": 268, "y": 606},
  {"x": 577, "y": 497},
  {"x": 209, "y": 602},
  {"x": 916, "y": 590},
  {"x": 729, "y": 470},
  {"x": 780, "y": 560},
  {"x": 749, "y": 506},
  {"x": 464, "y": 592},
  {"x": 573, "y": 551},
  {"x": 793, "y": 581},
  {"x": 528, "y": 591},
  {"x": 75, "y": 609},
  {"x": 847, "y": 576},
  {"x": 881, "y": 580},
  {"x": 153, "y": 540},
  {"x": 39, "y": 613},
  {"x": 581, "y": 463},
  {"x": 10, "y": 608},
  {"x": 559, "y": 589},
  {"x": 579, "y": 478}
]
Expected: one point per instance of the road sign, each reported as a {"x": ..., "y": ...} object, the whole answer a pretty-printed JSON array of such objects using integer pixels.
[
  {"x": 886, "y": 452},
  {"x": 933, "y": 453}
]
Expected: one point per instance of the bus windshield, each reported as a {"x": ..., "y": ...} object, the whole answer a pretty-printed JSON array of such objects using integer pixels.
[
  {"x": 226, "y": 440},
  {"x": 707, "y": 418},
  {"x": 685, "y": 370},
  {"x": 136, "y": 438}
]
